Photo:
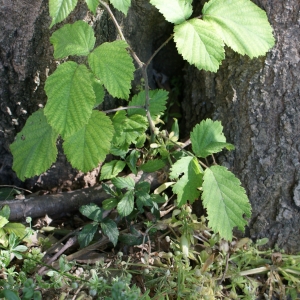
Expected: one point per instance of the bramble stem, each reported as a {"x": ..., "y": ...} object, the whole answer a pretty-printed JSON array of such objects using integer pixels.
[
  {"x": 142, "y": 65},
  {"x": 121, "y": 108}
]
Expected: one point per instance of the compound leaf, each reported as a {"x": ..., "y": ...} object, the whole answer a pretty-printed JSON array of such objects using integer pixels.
[
  {"x": 110, "y": 228},
  {"x": 90, "y": 144},
  {"x": 208, "y": 138},
  {"x": 71, "y": 98},
  {"x": 92, "y": 5},
  {"x": 241, "y": 24},
  {"x": 112, "y": 169},
  {"x": 225, "y": 200},
  {"x": 73, "y": 39},
  {"x": 125, "y": 206},
  {"x": 34, "y": 149},
  {"x": 60, "y": 9},
  {"x": 121, "y": 5},
  {"x": 112, "y": 64},
  {"x": 187, "y": 186},
  {"x": 175, "y": 11},
  {"x": 157, "y": 103},
  {"x": 199, "y": 44},
  {"x": 128, "y": 130}
]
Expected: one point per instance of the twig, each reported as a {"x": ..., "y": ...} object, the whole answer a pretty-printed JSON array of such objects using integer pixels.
[
  {"x": 159, "y": 48},
  {"x": 121, "y": 108},
  {"x": 15, "y": 187}
]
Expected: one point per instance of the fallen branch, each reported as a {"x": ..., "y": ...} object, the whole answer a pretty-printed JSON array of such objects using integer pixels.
[{"x": 56, "y": 205}]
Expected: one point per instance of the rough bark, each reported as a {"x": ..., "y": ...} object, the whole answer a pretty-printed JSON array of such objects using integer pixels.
[
  {"x": 26, "y": 59},
  {"x": 258, "y": 103}
]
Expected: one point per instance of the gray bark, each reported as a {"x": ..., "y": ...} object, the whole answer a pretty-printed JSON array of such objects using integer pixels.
[{"x": 258, "y": 103}]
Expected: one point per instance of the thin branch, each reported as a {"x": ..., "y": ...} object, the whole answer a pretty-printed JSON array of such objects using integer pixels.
[
  {"x": 160, "y": 47},
  {"x": 15, "y": 187},
  {"x": 121, "y": 108},
  {"x": 106, "y": 6}
]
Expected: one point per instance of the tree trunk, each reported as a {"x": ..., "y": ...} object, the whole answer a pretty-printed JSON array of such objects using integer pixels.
[{"x": 257, "y": 102}]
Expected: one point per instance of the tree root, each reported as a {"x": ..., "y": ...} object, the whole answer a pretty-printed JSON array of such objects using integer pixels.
[{"x": 56, "y": 205}]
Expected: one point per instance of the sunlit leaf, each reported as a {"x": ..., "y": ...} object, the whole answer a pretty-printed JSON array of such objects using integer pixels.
[{"x": 60, "y": 9}]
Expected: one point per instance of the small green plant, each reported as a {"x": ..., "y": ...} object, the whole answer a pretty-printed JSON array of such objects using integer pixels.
[{"x": 75, "y": 91}]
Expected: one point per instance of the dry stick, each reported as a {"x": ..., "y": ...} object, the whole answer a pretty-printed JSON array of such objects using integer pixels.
[{"x": 15, "y": 187}]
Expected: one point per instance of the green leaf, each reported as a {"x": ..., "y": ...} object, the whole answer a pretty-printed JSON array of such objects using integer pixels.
[
  {"x": 110, "y": 228},
  {"x": 17, "y": 228},
  {"x": 125, "y": 206},
  {"x": 132, "y": 159},
  {"x": 3, "y": 221},
  {"x": 34, "y": 149},
  {"x": 92, "y": 5},
  {"x": 73, "y": 39},
  {"x": 113, "y": 65},
  {"x": 98, "y": 90},
  {"x": 11, "y": 295},
  {"x": 121, "y": 5},
  {"x": 187, "y": 186},
  {"x": 110, "y": 203},
  {"x": 92, "y": 211},
  {"x": 157, "y": 105},
  {"x": 123, "y": 183},
  {"x": 112, "y": 169},
  {"x": 152, "y": 165},
  {"x": 208, "y": 138},
  {"x": 20, "y": 248},
  {"x": 71, "y": 98},
  {"x": 241, "y": 24},
  {"x": 175, "y": 11},
  {"x": 87, "y": 234},
  {"x": 60, "y": 9},
  {"x": 128, "y": 130},
  {"x": 108, "y": 190},
  {"x": 199, "y": 44},
  {"x": 5, "y": 211},
  {"x": 225, "y": 200},
  {"x": 143, "y": 198},
  {"x": 90, "y": 144},
  {"x": 132, "y": 239}
]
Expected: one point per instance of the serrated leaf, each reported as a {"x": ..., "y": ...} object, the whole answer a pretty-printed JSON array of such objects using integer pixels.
[
  {"x": 98, "y": 90},
  {"x": 5, "y": 211},
  {"x": 3, "y": 221},
  {"x": 132, "y": 239},
  {"x": 241, "y": 24},
  {"x": 92, "y": 211},
  {"x": 152, "y": 165},
  {"x": 225, "y": 200},
  {"x": 71, "y": 98},
  {"x": 92, "y": 5},
  {"x": 125, "y": 206},
  {"x": 123, "y": 183},
  {"x": 86, "y": 235},
  {"x": 175, "y": 11},
  {"x": 128, "y": 130},
  {"x": 17, "y": 228},
  {"x": 110, "y": 228},
  {"x": 34, "y": 149},
  {"x": 207, "y": 137},
  {"x": 112, "y": 169},
  {"x": 199, "y": 44},
  {"x": 110, "y": 203},
  {"x": 143, "y": 198},
  {"x": 121, "y": 5},
  {"x": 131, "y": 161},
  {"x": 60, "y": 9},
  {"x": 87, "y": 147},
  {"x": 187, "y": 186},
  {"x": 113, "y": 65},
  {"x": 157, "y": 103},
  {"x": 108, "y": 190},
  {"x": 73, "y": 39}
]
